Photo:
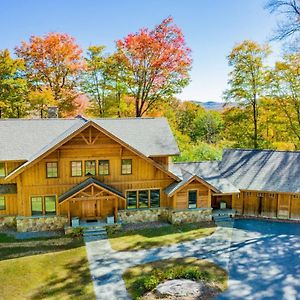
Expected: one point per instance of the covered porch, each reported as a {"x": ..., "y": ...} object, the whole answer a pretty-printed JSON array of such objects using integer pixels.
[{"x": 91, "y": 200}]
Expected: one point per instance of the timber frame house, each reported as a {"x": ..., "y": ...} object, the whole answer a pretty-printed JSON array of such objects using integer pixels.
[{"x": 55, "y": 170}]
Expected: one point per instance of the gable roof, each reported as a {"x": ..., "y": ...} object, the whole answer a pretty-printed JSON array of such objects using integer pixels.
[
  {"x": 206, "y": 171},
  {"x": 90, "y": 181},
  {"x": 134, "y": 135},
  {"x": 243, "y": 169},
  {"x": 262, "y": 170},
  {"x": 21, "y": 139}
]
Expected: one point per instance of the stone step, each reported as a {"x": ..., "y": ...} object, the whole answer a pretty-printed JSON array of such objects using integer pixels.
[
  {"x": 222, "y": 219},
  {"x": 104, "y": 235},
  {"x": 103, "y": 230}
]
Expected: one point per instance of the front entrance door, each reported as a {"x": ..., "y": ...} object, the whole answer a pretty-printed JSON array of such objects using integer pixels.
[{"x": 89, "y": 209}]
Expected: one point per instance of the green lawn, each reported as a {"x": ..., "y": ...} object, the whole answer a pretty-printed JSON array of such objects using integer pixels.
[
  {"x": 161, "y": 236},
  {"x": 11, "y": 248},
  {"x": 55, "y": 268},
  {"x": 144, "y": 278}
]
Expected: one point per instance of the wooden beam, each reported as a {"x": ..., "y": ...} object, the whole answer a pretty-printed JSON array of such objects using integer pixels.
[
  {"x": 92, "y": 198},
  {"x": 84, "y": 138},
  {"x": 69, "y": 213},
  {"x": 95, "y": 139},
  {"x": 116, "y": 210}
]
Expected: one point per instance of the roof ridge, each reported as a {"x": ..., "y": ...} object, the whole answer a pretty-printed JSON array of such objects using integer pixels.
[{"x": 260, "y": 150}]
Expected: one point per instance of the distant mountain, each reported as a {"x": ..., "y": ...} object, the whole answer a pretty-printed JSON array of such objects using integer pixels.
[{"x": 211, "y": 105}]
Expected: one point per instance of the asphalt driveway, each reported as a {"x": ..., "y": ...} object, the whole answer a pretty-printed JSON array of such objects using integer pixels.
[{"x": 263, "y": 260}]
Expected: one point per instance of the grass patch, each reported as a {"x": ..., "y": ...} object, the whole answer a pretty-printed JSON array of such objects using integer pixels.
[
  {"x": 59, "y": 275},
  {"x": 11, "y": 248},
  {"x": 159, "y": 236},
  {"x": 144, "y": 278}
]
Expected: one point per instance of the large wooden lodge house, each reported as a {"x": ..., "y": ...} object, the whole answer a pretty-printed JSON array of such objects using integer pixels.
[{"x": 53, "y": 171}]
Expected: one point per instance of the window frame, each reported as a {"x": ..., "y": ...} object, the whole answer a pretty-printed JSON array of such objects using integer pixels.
[
  {"x": 122, "y": 161},
  {"x": 42, "y": 209},
  {"x": 71, "y": 168},
  {"x": 108, "y": 169},
  {"x": 51, "y": 162},
  {"x": 189, "y": 204},
  {"x": 45, "y": 206},
  {"x": 4, "y": 169},
  {"x": 149, "y": 202},
  {"x": 44, "y": 212},
  {"x": 90, "y": 160},
  {"x": 4, "y": 203},
  {"x": 136, "y": 201}
]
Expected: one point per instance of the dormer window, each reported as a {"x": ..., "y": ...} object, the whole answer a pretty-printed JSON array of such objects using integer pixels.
[{"x": 2, "y": 169}]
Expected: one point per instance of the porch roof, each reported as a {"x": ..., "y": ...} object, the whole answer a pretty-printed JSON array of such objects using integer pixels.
[{"x": 77, "y": 188}]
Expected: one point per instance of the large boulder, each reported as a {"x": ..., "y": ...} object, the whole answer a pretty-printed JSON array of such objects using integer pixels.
[{"x": 181, "y": 288}]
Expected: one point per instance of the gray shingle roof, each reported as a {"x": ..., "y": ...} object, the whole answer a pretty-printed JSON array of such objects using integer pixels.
[
  {"x": 208, "y": 171},
  {"x": 240, "y": 169},
  {"x": 21, "y": 138},
  {"x": 25, "y": 139},
  {"x": 150, "y": 136},
  {"x": 264, "y": 170},
  {"x": 86, "y": 183}
]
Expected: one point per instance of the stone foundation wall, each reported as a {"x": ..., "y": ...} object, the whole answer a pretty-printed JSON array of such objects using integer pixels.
[
  {"x": 7, "y": 222},
  {"x": 142, "y": 215},
  {"x": 190, "y": 215},
  {"x": 158, "y": 214},
  {"x": 41, "y": 223}
]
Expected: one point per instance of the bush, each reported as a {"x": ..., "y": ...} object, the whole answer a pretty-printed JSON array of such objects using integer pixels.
[
  {"x": 151, "y": 282},
  {"x": 77, "y": 232}
]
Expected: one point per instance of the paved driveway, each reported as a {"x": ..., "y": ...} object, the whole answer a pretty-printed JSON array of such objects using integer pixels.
[{"x": 263, "y": 259}]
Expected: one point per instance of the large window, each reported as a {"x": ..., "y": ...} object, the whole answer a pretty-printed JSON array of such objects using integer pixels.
[
  {"x": 37, "y": 205},
  {"x": 43, "y": 205},
  {"x": 143, "y": 199},
  {"x": 103, "y": 167},
  {"x": 2, "y": 169},
  {"x": 90, "y": 167},
  {"x": 52, "y": 169},
  {"x": 50, "y": 205},
  {"x": 131, "y": 199},
  {"x": 2, "y": 203},
  {"x": 126, "y": 168},
  {"x": 76, "y": 168},
  {"x": 192, "y": 199},
  {"x": 154, "y": 198}
]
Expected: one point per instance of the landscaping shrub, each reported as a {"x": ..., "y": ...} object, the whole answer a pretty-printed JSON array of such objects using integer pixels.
[{"x": 77, "y": 232}]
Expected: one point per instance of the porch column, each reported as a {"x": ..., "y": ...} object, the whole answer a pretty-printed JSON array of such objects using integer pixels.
[
  {"x": 116, "y": 209},
  {"x": 69, "y": 213}
]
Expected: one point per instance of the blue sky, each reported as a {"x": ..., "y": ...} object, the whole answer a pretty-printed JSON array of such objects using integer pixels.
[{"x": 211, "y": 29}]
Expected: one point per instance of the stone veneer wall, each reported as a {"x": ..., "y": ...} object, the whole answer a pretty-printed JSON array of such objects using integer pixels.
[
  {"x": 190, "y": 215},
  {"x": 157, "y": 214},
  {"x": 41, "y": 223},
  {"x": 142, "y": 215},
  {"x": 8, "y": 222}
]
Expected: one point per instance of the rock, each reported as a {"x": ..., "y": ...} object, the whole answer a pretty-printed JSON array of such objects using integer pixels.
[{"x": 180, "y": 288}]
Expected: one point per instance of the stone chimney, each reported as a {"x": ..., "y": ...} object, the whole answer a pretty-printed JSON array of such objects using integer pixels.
[{"x": 52, "y": 112}]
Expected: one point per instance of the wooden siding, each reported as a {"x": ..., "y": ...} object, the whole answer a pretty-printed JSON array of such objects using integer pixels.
[
  {"x": 180, "y": 199},
  {"x": 11, "y": 205},
  {"x": 89, "y": 145},
  {"x": 267, "y": 204},
  {"x": 9, "y": 167}
]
